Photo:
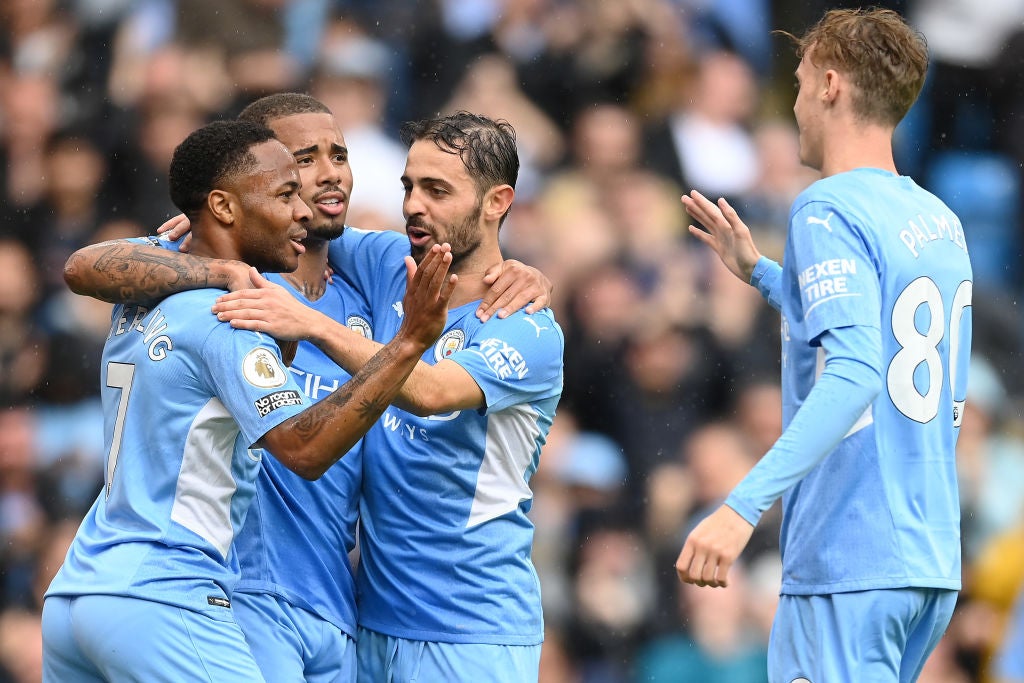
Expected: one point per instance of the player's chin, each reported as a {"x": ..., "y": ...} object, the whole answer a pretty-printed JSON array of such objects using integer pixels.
[
  {"x": 326, "y": 229},
  {"x": 285, "y": 262},
  {"x": 418, "y": 252}
]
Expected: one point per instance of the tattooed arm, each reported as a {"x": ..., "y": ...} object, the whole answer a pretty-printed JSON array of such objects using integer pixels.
[
  {"x": 269, "y": 308},
  {"x": 310, "y": 442},
  {"x": 124, "y": 271}
]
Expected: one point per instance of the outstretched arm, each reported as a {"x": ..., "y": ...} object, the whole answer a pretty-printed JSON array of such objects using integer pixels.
[
  {"x": 850, "y": 381},
  {"x": 729, "y": 237},
  {"x": 310, "y": 442},
  {"x": 125, "y": 271},
  {"x": 269, "y": 308}
]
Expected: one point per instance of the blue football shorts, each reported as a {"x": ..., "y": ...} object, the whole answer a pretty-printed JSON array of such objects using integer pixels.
[
  {"x": 882, "y": 636},
  {"x": 398, "y": 660},
  {"x": 292, "y": 644},
  {"x": 109, "y": 638}
]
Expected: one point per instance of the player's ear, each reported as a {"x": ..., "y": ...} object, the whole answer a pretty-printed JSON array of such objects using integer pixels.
[
  {"x": 832, "y": 82},
  {"x": 223, "y": 206},
  {"x": 497, "y": 200}
]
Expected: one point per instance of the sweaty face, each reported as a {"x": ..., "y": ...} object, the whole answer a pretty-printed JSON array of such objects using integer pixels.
[
  {"x": 318, "y": 147},
  {"x": 808, "y": 110},
  {"x": 269, "y": 224},
  {"x": 442, "y": 203}
]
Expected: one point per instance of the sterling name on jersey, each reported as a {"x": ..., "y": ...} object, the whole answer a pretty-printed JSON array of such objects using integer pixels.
[
  {"x": 871, "y": 248},
  {"x": 184, "y": 396},
  {"x": 445, "y": 540},
  {"x": 295, "y": 540}
]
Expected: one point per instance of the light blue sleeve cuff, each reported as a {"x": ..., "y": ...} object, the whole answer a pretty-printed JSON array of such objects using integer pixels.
[
  {"x": 744, "y": 509},
  {"x": 766, "y": 277}
]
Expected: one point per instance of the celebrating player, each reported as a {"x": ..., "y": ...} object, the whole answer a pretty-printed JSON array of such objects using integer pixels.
[
  {"x": 875, "y": 295},
  {"x": 145, "y": 591}
]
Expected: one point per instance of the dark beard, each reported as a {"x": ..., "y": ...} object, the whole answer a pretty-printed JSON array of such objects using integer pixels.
[
  {"x": 465, "y": 238},
  {"x": 325, "y": 231}
]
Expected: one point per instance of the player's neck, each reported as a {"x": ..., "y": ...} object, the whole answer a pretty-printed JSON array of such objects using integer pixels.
[
  {"x": 308, "y": 278},
  {"x": 210, "y": 239},
  {"x": 858, "y": 147},
  {"x": 471, "y": 272}
]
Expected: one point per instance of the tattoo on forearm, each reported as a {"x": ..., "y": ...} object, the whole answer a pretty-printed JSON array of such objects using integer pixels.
[
  {"x": 366, "y": 408},
  {"x": 137, "y": 275},
  {"x": 371, "y": 407}
]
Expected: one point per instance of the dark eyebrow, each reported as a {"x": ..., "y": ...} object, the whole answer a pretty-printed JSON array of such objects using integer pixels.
[
  {"x": 335, "y": 147},
  {"x": 426, "y": 181},
  {"x": 435, "y": 181}
]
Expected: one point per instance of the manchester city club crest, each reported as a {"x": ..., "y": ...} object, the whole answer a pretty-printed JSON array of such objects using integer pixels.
[
  {"x": 358, "y": 323},
  {"x": 450, "y": 342}
]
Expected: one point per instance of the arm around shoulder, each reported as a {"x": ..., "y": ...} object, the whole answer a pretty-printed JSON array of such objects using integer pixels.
[
  {"x": 429, "y": 390},
  {"x": 138, "y": 271},
  {"x": 312, "y": 441}
]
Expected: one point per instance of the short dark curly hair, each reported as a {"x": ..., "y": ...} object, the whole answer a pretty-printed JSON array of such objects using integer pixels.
[
  {"x": 276, "y": 106},
  {"x": 211, "y": 154}
]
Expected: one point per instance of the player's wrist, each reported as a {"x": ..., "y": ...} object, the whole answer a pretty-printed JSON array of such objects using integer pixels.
[
  {"x": 405, "y": 346},
  {"x": 227, "y": 274},
  {"x": 322, "y": 331},
  {"x": 749, "y": 266}
]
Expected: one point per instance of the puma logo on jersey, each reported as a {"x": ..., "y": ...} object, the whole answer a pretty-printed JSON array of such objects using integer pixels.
[
  {"x": 398, "y": 308},
  {"x": 536, "y": 326},
  {"x": 813, "y": 220}
]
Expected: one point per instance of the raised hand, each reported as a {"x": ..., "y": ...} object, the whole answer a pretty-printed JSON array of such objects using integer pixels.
[
  {"x": 428, "y": 290},
  {"x": 727, "y": 235}
]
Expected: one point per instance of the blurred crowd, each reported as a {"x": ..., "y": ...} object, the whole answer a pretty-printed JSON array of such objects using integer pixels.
[{"x": 671, "y": 364}]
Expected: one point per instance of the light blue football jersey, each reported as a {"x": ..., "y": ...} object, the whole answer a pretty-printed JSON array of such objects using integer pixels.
[
  {"x": 445, "y": 541},
  {"x": 298, "y": 533},
  {"x": 881, "y": 510},
  {"x": 184, "y": 397}
]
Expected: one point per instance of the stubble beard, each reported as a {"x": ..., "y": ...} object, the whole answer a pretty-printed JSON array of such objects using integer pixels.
[
  {"x": 322, "y": 227},
  {"x": 326, "y": 230},
  {"x": 268, "y": 259},
  {"x": 463, "y": 237}
]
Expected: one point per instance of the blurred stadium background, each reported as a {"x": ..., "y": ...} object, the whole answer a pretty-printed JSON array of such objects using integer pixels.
[{"x": 671, "y": 384}]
